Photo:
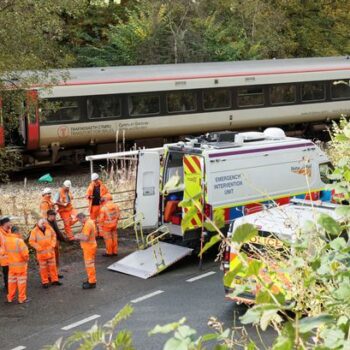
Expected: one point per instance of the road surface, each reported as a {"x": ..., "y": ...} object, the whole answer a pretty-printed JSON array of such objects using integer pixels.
[{"x": 183, "y": 290}]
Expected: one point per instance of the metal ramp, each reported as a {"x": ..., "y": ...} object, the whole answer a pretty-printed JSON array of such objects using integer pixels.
[
  {"x": 144, "y": 264},
  {"x": 153, "y": 255}
]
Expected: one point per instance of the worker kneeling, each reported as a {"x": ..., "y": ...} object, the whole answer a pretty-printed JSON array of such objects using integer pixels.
[
  {"x": 88, "y": 244},
  {"x": 108, "y": 220},
  {"x": 43, "y": 240},
  {"x": 18, "y": 256}
]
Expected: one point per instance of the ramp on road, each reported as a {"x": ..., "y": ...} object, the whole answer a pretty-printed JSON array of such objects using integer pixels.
[{"x": 145, "y": 263}]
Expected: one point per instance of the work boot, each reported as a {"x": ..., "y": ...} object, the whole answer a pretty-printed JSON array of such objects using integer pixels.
[
  {"x": 45, "y": 285},
  {"x": 57, "y": 283},
  {"x": 87, "y": 285},
  {"x": 24, "y": 301},
  {"x": 107, "y": 255},
  {"x": 60, "y": 276}
]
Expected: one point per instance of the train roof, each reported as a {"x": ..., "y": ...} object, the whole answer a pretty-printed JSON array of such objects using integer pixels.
[{"x": 105, "y": 75}]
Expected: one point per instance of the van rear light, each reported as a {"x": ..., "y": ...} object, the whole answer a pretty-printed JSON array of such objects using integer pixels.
[
  {"x": 228, "y": 256},
  {"x": 208, "y": 211}
]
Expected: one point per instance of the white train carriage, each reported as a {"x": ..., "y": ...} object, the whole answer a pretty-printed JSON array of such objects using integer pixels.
[{"x": 163, "y": 101}]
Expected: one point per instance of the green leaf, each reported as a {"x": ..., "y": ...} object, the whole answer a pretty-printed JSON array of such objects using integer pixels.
[
  {"x": 170, "y": 327},
  {"x": 186, "y": 221},
  {"x": 329, "y": 224},
  {"x": 343, "y": 210},
  {"x": 213, "y": 240},
  {"x": 244, "y": 233},
  {"x": 283, "y": 342},
  {"x": 175, "y": 344},
  {"x": 267, "y": 316},
  {"x": 333, "y": 338},
  {"x": 307, "y": 324},
  {"x": 254, "y": 267},
  {"x": 338, "y": 244},
  {"x": 251, "y": 346},
  {"x": 188, "y": 202}
]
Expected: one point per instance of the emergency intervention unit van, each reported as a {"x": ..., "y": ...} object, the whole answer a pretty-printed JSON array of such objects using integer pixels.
[
  {"x": 276, "y": 227},
  {"x": 229, "y": 175}
]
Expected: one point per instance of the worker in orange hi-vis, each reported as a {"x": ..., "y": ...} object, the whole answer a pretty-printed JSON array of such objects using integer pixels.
[
  {"x": 63, "y": 199},
  {"x": 18, "y": 257},
  {"x": 43, "y": 240},
  {"x": 46, "y": 202},
  {"x": 108, "y": 221},
  {"x": 5, "y": 230},
  {"x": 94, "y": 193},
  {"x": 88, "y": 244}
]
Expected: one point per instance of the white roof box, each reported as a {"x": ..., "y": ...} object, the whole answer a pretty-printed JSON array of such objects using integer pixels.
[
  {"x": 249, "y": 136},
  {"x": 274, "y": 133}
]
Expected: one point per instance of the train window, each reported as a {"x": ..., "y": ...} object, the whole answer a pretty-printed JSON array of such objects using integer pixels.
[
  {"x": 140, "y": 105},
  {"x": 60, "y": 110},
  {"x": 216, "y": 99},
  {"x": 314, "y": 91},
  {"x": 99, "y": 107},
  {"x": 181, "y": 101},
  {"x": 250, "y": 96},
  {"x": 282, "y": 94},
  {"x": 340, "y": 89}
]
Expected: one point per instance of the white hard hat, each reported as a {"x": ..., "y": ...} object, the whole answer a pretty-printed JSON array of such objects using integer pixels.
[
  {"x": 67, "y": 184},
  {"x": 94, "y": 176},
  {"x": 46, "y": 191}
]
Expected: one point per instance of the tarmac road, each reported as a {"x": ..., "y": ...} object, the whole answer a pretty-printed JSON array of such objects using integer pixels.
[{"x": 183, "y": 290}]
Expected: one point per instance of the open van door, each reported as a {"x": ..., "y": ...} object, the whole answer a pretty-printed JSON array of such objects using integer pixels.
[{"x": 147, "y": 188}]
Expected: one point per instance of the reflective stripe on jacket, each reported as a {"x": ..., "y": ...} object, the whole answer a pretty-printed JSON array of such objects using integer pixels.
[
  {"x": 89, "y": 231},
  {"x": 17, "y": 253},
  {"x": 43, "y": 242},
  {"x": 109, "y": 215}
]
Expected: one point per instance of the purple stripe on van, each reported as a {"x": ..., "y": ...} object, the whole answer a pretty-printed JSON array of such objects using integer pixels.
[{"x": 258, "y": 150}]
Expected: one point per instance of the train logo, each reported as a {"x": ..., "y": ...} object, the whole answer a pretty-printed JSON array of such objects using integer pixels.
[{"x": 62, "y": 131}]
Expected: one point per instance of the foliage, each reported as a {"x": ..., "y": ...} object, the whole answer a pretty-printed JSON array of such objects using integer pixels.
[
  {"x": 168, "y": 31},
  {"x": 307, "y": 282},
  {"x": 98, "y": 337},
  {"x": 185, "y": 337}
]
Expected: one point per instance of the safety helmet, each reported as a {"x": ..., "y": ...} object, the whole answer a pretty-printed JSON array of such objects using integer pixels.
[
  {"x": 94, "y": 176},
  {"x": 46, "y": 191},
  {"x": 67, "y": 184}
]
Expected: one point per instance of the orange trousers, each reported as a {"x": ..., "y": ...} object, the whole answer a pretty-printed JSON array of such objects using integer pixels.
[
  {"x": 94, "y": 214},
  {"x": 68, "y": 222},
  {"x": 17, "y": 280},
  {"x": 110, "y": 237},
  {"x": 48, "y": 270},
  {"x": 89, "y": 254}
]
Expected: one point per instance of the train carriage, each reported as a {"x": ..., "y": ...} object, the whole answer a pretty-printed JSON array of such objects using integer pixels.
[{"x": 165, "y": 101}]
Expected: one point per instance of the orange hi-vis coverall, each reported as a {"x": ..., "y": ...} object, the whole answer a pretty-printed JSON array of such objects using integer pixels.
[
  {"x": 45, "y": 205},
  {"x": 89, "y": 248},
  {"x": 66, "y": 212},
  {"x": 94, "y": 193},
  {"x": 44, "y": 243},
  {"x": 18, "y": 256},
  {"x": 4, "y": 262},
  {"x": 108, "y": 220}
]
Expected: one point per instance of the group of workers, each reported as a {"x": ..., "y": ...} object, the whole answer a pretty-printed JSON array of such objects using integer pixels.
[{"x": 102, "y": 221}]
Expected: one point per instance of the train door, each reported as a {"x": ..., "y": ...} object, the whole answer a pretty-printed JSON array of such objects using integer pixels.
[
  {"x": 147, "y": 188},
  {"x": 2, "y": 131},
  {"x": 32, "y": 121}
]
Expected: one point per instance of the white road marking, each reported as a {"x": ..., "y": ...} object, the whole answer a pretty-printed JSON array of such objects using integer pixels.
[
  {"x": 21, "y": 347},
  {"x": 79, "y": 323},
  {"x": 147, "y": 296},
  {"x": 201, "y": 276}
]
